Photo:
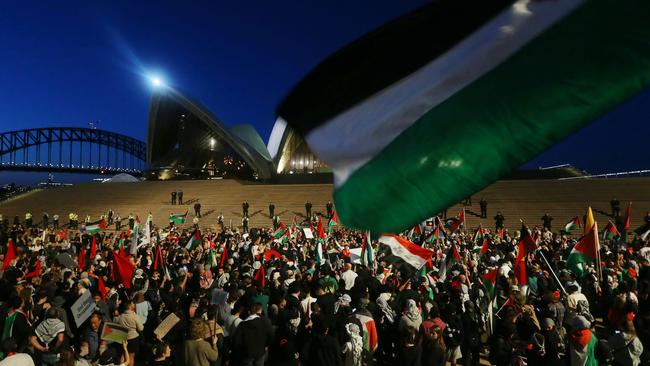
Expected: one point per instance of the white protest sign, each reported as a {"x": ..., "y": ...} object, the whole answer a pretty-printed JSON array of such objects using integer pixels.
[
  {"x": 308, "y": 233},
  {"x": 83, "y": 308}
]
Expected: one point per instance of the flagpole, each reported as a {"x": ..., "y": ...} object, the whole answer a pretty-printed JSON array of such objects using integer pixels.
[
  {"x": 598, "y": 267},
  {"x": 553, "y": 272}
]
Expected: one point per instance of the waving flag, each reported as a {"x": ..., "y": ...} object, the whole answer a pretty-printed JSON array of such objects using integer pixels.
[
  {"x": 453, "y": 257},
  {"x": 610, "y": 231},
  {"x": 367, "y": 252},
  {"x": 574, "y": 223},
  {"x": 585, "y": 251},
  {"x": 402, "y": 251},
  {"x": 36, "y": 272},
  {"x": 334, "y": 221},
  {"x": 628, "y": 216},
  {"x": 94, "y": 228},
  {"x": 194, "y": 240},
  {"x": 122, "y": 269},
  {"x": 10, "y": 254},
  {"x": 412, "y": 117},
  {"x": 178, "y": 218}
]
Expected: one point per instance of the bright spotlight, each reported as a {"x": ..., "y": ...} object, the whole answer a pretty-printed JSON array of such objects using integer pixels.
[{"x": 156, "y": 81}]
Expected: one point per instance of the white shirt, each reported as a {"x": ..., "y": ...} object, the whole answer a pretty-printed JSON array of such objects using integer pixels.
[
  {"x": 19, "y": 359},
  {"x": 349, "y": 277}
]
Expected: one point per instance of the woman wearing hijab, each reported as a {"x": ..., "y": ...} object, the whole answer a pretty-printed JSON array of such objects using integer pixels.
[
  {"x": 385, "y": 317},
  {"x": 411, "y": 316}
]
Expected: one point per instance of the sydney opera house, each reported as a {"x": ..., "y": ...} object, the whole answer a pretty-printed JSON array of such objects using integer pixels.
[{"x": 186, "y": 141}]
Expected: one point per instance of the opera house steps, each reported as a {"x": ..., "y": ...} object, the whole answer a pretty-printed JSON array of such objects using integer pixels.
[{"x": 526, "y": 199}]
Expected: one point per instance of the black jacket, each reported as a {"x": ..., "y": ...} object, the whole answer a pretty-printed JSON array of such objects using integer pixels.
[{"x": 252, "y": 337}]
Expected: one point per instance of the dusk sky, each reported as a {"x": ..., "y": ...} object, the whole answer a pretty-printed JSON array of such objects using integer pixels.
[{"x": 68, "y": 63}]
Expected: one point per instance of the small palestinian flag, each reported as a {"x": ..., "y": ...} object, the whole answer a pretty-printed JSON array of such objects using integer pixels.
[
  {"x": 452, "y": 258},
  {"x": 500, "y": 233},
  {"x": 94, "y": 228},
  {"x": 320, "y": 242},
  {"x": 195, "y": 241},
  {"x": 484, "y": 248},
  {"x": 490, "y": 280},
  {"x": 367, "y": 253},
  {"x": 415, "y": 234},
  {"x": 178, "y": 219},
  {"x": 574, "y": 223},
  {"x": 280, "y": 232},
  {"x": 610, "y": 231},
  {"x": 436, "y": 234},
  {"x": 585, "y": 251},
  {"x": 384, "y": 111},
  {"x": 479, "y": 233},
  {"x": 334, "y": 221}
]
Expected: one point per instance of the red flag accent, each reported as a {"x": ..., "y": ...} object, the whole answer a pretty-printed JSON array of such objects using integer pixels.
[
  {"x": 158, "y": 258},
  {"x": 260, "y": 277},
  {"x": 123, "y": 269},
  {"x": 628, "y": 216},
  {"x": 36, "y": 272},
  {"x": 81, "y": 261},
  {"x": 491, "y": 276},
  {"x": 101, "y": 288},
  {"x": 10, "y": 255},
  {"x": 520, "y": 265},
  {"x": 103, "y": 224},
  {"x": 484, "y": 248},
  {"x": 93, "y": 248},
  {"x": 320, "y": 231},
  {"x": 461, "y": 216},
  {"x": 224, "y": 256},
  {"x": 500, "y": 233},
  {"x": 271, "y": 254},
  {"x": 527, "y": 239},
  {"x": 589, "y": 244}
]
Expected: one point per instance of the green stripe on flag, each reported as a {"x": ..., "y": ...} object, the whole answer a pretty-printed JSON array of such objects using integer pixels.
[{"x": 568, "y": 76}]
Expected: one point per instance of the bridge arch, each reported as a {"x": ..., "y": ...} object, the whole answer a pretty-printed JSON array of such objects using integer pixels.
[{"x": 72, "y": 149}]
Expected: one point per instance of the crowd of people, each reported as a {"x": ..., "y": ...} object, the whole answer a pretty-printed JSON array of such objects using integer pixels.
[{"x": 271, "y": 296}]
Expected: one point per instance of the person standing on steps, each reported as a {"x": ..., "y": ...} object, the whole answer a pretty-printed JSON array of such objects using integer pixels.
[
  {"x": 131, "y": 221},
  {"x": 55, "y": 221},
  {"x": 197, "y": 209},
  {"x": 276, "y": 222},
  {"x": 483, "y": 204},
  {"x": 271, "y": 210},
  {"x": 220, "y": 221},
  {"x": 46, "y": 220},
  {"x": 244, "y": 208},
  {"x": 308, "y": 209},
  {"x": 616, "y": 207},
  {"x": 498, "y": 220},
  {"x": 180, "y": 196},
  {"x": 329, "y": 207},
  {"x": 546, "y": 220},
  {"x": 173, "y": 197},
  {"x": 244, "y": 224}
]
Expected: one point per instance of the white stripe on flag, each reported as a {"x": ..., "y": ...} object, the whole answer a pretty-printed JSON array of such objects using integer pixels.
[
  {"x": 399, "y": 250},
  {"x": 363, "y": 131}
]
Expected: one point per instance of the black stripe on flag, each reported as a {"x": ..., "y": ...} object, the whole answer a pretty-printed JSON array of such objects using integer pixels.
[{"x": 383, "y": 57}]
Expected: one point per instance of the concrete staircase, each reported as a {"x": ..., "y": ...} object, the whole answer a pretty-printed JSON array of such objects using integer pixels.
[{"x": 526, "y": 199}]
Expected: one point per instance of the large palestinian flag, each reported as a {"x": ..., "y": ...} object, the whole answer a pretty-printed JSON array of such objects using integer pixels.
[{"x": 412, "y": 117}]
